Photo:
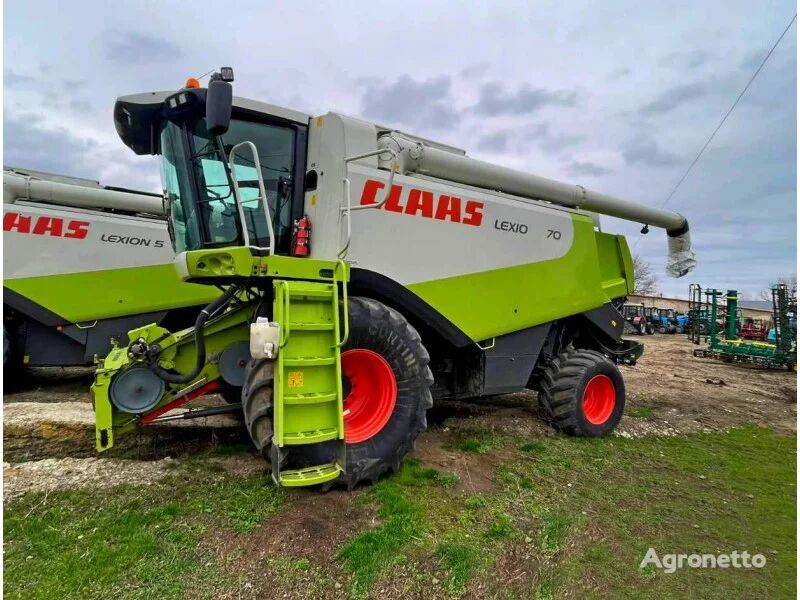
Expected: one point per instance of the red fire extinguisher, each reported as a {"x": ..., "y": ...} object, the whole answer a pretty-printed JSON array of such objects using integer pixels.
[{"x": 301, "y": 236}]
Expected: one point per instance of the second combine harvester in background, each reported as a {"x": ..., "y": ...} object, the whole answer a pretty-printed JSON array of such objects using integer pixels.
[{"x": 367, "y": 273}]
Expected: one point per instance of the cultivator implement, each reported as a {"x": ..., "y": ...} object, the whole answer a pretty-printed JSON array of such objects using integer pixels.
[{"x": 727, "y": 346}]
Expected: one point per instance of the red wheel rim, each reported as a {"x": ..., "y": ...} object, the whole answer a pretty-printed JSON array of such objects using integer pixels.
[
  {"x": 599, "y": 399},
  {"x": 372, "y": 396}
]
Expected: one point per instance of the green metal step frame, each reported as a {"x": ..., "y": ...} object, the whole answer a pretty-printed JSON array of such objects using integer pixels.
[{"x": 308, "y": 376}]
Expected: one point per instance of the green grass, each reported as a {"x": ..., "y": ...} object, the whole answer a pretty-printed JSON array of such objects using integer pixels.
[
  {"x": 575, "y": 517},
  {"x": 478, "y": 441},
  {"x": 403, "y": 515},
  {"x": 129, "y": 542},
  {"x": 641, "y": 411},
  {"x": 698, "y": 493},
  {"x": 459, "y": 560}
]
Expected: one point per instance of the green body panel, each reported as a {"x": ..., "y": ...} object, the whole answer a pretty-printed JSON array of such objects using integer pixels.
[
  {"x": 239, "y": 263},
  {"x": 91, "y": 295},
  {"x": 597, "y": 268}
]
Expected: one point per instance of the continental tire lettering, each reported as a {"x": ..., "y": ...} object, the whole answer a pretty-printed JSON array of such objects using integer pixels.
[{"x": 423, "y": 203}]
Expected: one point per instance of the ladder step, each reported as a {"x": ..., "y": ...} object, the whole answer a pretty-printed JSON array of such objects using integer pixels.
[
  {"x": 310, "y": 475},
  {"x": 310, "y": 294},
  {"x": 296, "y": 438},
  {"x": 309, "y": 361},
  {"x": 310, "y": 326},
  {"x": 309, "y": 398}
]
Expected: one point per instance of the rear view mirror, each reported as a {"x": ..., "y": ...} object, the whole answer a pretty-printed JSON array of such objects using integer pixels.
[{"x": 219, "y": 104}]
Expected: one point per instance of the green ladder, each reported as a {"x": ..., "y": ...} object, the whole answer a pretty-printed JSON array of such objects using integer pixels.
[{"x": 308, "y": 378}]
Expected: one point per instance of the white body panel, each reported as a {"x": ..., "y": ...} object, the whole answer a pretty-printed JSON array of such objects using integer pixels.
[
  {"x": 41, "y": 239},
  {"x": 419, "y": 248},
  {"x": 414, "y": 248}
]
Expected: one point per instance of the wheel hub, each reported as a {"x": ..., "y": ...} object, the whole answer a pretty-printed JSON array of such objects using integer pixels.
[
  {"x": 599, "y": 399},
  {"x": 370, "y": 394}
]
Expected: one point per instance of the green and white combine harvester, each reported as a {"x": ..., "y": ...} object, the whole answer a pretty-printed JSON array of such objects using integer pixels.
[
  {"x": 84, "y": 263},
  {"x": 426, "y": 275}
]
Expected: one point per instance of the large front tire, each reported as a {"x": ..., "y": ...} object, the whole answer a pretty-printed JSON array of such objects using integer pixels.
[
  {"x": 387, "y": 394},
  {"x": 583, "y": 393}
]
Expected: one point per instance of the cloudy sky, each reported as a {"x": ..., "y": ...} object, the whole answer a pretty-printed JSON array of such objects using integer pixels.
[{"x": 616, "y": 96}]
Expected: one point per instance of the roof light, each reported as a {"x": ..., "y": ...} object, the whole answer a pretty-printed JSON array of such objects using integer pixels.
[{"x": 192, "y": 83}]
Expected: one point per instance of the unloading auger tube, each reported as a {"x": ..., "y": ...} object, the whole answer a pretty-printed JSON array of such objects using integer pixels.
[
  {"x": 17, "y": 186},
  {"x": 412, "y": 156}
]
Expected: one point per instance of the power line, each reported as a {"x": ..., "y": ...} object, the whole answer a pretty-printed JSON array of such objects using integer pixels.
[{"x": 727, "y": 114}]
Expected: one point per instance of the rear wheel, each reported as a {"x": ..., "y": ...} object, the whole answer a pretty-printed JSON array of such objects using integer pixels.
[
  {"x": 386, "y": 386},
  {"x": 583, "y": 393},
  {"x": 642, "y": 328}
]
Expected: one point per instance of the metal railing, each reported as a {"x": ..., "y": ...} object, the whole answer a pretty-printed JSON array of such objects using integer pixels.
[
  {"x": 347, "y": 208},
  {"x": 261, "y": 198}
]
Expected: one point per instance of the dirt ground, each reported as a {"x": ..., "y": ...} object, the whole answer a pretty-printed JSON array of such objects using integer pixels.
[{"x": 48, "y": 423}]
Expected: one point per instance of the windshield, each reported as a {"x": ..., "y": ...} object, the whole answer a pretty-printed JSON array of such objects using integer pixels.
[{"x": 191, "y": 161}]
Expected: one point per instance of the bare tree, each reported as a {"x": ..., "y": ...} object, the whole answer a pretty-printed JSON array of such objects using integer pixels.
[
  {"x": 790, "y": 282},
  {"x": 645, "y": 281}
]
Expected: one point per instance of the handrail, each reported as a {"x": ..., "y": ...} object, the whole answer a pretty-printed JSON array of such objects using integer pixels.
[
  {"x": 262, "y": 195},
  {"x": 348, "y": 208},
  {"x": 284, "y": 331},
  {"x": 346, "y": 316}
]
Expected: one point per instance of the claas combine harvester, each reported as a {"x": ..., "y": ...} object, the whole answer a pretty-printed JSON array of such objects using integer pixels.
[{"x": 367, "y": 272}]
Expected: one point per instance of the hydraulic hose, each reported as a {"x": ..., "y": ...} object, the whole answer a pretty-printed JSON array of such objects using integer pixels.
[{"x": 199, "y": 341}]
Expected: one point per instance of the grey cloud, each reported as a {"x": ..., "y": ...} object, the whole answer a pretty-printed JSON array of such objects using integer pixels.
[
  {"x": 495, "y": 142},
  {"x": 752, "y": 60},
  {"x": 619, "y": 73},
  {"x": 674, "y": 97},
  {"x": 80, "y": 106},
  {"x": 494, "y": 101},
  {"x": 75, "y": 84},
  {"x": 544, "y": 137},
  {"x": 26, "y": 143},
  {"x": 577, "y": 168},
  {"x": 474, "y": 71},
  {"x": 423, "y": 104},
  {"x": 646, "y": 151},
  {"x": 12, "y": 79},
  {"x": 691, "y": 59},
  {"x": 129, "y": 47}
]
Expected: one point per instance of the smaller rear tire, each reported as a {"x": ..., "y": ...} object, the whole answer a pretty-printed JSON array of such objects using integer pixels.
[{"x": 582, "y": 393}]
